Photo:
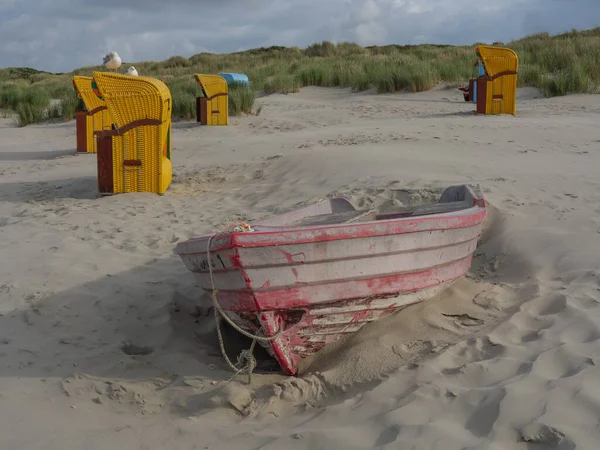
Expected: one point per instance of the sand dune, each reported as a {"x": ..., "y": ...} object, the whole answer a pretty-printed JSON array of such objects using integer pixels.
[{"x": 105, "y": 341}]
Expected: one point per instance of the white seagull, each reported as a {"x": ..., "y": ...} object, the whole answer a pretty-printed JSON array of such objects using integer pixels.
[
  {"x": 131, "y": 71},
  {"x": 112, "y": 61}
]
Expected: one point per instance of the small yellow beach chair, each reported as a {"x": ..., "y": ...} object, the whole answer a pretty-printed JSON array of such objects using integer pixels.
[
  {"x": 94, "y": 118},
  {"x": 212, "y": 107},
  {"x": 497, "y": 88},
  {"x": 135, "y": 156}
]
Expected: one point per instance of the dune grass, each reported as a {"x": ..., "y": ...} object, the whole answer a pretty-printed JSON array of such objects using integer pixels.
[
  {"x": 557, "y": 65},
  {"x": 241, "y": 100},
  {"x": 31, "y": 103}
]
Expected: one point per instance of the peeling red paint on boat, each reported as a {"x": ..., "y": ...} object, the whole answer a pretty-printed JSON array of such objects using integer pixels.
[{"x": 291, "y": 257}]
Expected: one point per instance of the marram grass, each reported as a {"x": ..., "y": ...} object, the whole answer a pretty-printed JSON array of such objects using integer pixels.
[{"x": 557, "y": 65}]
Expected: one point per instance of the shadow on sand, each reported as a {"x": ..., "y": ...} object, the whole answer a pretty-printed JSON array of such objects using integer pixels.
[
  {"x": 69, "y": 188},
  {"x": 185, "y": 124},
  {"x": 40, "y": 156},
  {"x": 131, "y": 325}
]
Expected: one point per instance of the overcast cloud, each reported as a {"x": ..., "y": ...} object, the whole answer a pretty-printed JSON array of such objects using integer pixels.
[{"x": 61, "y": 35}]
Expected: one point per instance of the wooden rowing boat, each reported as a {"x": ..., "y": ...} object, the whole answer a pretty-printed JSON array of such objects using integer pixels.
[{"x": 320, "y": 272}]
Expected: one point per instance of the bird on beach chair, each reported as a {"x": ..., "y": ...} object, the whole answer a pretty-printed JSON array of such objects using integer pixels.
[
  {"x": 112, "y": 61},
  {"x": 132, "y": 71}
]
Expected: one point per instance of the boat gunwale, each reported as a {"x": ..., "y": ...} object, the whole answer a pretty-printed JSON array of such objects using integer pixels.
[{"x": 232, "y": 239}]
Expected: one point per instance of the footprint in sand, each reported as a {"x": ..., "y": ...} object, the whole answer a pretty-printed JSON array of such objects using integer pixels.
[
  {"x": 560, "y": 362},
  {"x": 587, "y": 301},
  {"x": 484, "y": 416},
  {"x": 547, "y": 306},
  {"x": 522, "y": 328},
  {"x": 545, "y": 436},
  {"x": 464, "y": 320},
  {"x": 132, "y": 349},
  {"x": 584, "y": 332},
  {"x": 467, "y": 352}
]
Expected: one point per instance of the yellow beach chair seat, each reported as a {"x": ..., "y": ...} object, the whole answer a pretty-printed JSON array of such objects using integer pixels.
[
  {"x": 212, "y": 108},
  {"x": 136, "y": 154},
  {"x": 497, "y": 89}
]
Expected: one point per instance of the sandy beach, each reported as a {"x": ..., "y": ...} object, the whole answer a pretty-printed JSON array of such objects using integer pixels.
[{"x": 107, "y": 343}]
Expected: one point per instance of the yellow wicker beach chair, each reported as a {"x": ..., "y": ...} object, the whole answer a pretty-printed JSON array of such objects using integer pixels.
[
  {"x": 136, "y": 155},
  {"x": 212, "y": 108},
  {"x": 497, "y": 89},
  {"x": 94, "y": 118}
]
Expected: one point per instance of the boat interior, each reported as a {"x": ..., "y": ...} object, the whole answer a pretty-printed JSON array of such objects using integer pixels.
[{"x": 341, "y": 211}]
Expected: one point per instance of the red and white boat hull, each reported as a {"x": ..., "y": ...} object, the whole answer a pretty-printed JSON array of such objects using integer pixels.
[{"x": 321, "y": 282}]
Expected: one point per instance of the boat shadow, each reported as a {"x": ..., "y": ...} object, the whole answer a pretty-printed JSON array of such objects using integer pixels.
[{"x": 131, "y": 325}]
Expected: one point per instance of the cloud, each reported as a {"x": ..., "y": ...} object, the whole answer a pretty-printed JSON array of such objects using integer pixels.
[{"x": 61, "y": 35}]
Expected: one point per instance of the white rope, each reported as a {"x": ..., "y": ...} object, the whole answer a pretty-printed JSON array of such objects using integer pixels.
[{"x": 246, "y": 362}]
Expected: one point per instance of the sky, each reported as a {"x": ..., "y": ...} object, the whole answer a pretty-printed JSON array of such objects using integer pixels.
[{"x": 62, "y": 35}]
